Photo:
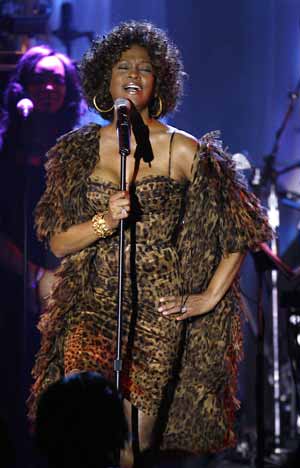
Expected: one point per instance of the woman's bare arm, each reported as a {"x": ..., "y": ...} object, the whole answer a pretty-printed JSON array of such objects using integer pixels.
[
  {"x": 73, "y": 240},
  {"x": 82, "y": 235}
]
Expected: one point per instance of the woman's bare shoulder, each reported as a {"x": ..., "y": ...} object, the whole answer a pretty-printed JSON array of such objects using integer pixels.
[
  {"x": 184, "y": 148},
  {"x": 184, "y": 142}
]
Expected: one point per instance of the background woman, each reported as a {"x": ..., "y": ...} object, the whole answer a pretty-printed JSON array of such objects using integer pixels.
[
  {"x": 42, "y": 101},
  {"x": 189, "y": 221},
  {"x": 48, "y": 83}
]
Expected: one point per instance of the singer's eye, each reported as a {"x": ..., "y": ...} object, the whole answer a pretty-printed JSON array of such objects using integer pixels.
[
  {"x": 146, "y": 69},
  {"x": 123, "y": 66}
]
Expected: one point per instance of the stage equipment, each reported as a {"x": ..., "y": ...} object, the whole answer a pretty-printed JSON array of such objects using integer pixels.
[
  {"x": 66, "y": 33},
  {"x": 268, "y": 178},
  {"x": 265, "y": 260},
  {"x": 294, "y": 354},
  {"x": 24, "y": 18}
]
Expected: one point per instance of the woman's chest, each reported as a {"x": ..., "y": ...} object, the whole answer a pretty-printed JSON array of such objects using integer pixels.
[{"x": 108, "y": 163}]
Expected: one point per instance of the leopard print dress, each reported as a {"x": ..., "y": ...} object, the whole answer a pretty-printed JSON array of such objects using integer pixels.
[
  {"x": 150, "y": 341},
  {"x": 185, "y": 374}
]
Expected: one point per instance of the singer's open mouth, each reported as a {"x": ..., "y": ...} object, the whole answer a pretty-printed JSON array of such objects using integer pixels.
[{"x": 132, "y": 88}]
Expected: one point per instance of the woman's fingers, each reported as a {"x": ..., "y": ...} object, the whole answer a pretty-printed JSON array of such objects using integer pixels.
[
  {"x": 122, "y": 202},
  {"x": 118, "y": 195},
  {"x": 119, "y": 205},
  {"x": 118, "y": 208},
  {"x": 169, "y": 305},
  {"x": 123, "y": 214},
  {"x": 193, "y": 305},
  {"x": 185, "y": 313},
  {"x": 119, "y": 212}
]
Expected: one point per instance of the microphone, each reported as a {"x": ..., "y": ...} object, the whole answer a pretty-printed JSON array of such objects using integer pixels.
[
  {"x": 25, "y": 107},
  {"x": 122, "y": 108}
]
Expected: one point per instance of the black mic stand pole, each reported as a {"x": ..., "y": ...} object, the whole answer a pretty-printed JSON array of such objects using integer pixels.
[
  {"x": 23, "y": 320},
  {"x": 24, "y": 162},
  {"x": 123, "y": 129}
]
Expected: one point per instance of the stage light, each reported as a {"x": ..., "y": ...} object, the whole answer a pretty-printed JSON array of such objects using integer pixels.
[{"x": 294, "y": 319}]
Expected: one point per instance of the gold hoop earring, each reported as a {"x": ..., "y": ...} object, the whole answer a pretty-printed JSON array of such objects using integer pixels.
[
  {"x": 102, "y": 111},
  {"x": 160, "y": 107}
]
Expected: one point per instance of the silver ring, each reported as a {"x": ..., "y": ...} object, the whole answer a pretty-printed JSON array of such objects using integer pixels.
[{"x": 183, "y": 309}]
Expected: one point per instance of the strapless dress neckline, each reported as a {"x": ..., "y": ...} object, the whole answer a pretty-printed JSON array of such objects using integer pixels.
[{"x": 143, "y": 180}]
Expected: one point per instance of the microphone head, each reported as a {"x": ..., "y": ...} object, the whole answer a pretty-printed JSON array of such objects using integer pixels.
[
  {"x": 25, "y": 107},
  {"x": 122, "y": 102}
]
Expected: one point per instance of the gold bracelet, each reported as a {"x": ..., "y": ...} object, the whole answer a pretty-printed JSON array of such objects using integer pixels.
[{"x": 100, "y": 227}]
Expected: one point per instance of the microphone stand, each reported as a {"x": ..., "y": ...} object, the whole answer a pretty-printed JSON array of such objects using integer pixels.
[
  {"x": 123, "y": 129},
  {"x": 270, "y": 175},
  {"x": 23, "y": 319},
  {"x": 24, "y": 150}
]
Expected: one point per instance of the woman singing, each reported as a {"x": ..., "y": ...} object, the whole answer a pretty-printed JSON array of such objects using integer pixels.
[{"x": 189, "y": 222}]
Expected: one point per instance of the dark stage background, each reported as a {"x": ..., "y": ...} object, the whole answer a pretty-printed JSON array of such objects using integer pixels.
[{"x": 242, "y": 58}]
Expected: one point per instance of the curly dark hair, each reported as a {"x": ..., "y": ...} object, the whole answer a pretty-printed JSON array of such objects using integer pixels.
[
  {"x": 67, "y": 117},
  {"x": 97, "y": 63}
]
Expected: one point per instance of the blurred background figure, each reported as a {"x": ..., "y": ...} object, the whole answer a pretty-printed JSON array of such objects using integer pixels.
[
  {"x": 81, "y": 423},
  {"x": 42, "y": 101}
]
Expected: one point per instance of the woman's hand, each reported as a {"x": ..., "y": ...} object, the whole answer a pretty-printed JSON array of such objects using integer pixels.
[
  {"x": 196, "y": 304},
  {"x": 118, "y": 208},
  {"x": 45, "y": 284},
  {"x": 199, "y": 304}
]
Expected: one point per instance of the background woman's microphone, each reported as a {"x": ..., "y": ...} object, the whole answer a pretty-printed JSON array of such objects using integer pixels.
[{"x": 25, "y": 107}]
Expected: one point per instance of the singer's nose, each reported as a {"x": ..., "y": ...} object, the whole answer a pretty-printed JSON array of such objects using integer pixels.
[{"x": 133, "y": 72}]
